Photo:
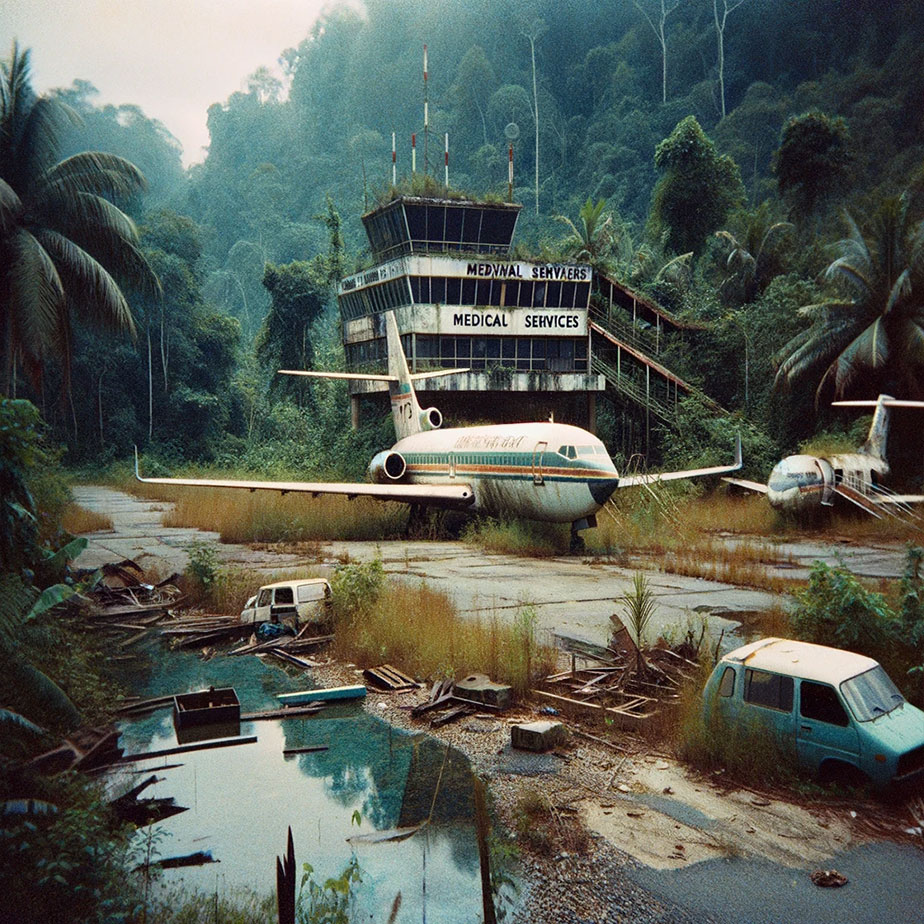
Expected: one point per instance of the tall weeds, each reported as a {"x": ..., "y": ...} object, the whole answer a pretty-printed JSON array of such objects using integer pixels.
[{"x": 417, "y": 628}]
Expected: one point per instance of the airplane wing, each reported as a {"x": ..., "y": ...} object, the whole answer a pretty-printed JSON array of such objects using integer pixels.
[
  {"x": 749, "y": 485},
  {"x": 655, "y": 477},
  {"x": 460, "y": 496}
]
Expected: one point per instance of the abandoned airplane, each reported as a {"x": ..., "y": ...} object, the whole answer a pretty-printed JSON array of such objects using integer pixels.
[
  {"x": 803, "y": 482},
  {"x": 542, "y": 471}
]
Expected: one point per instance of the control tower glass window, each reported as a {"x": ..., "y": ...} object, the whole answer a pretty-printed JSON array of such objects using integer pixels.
[{"x": 418, "y": 225}]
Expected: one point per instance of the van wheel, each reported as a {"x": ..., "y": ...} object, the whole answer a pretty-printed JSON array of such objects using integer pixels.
[{"x": 842, "y": 774}]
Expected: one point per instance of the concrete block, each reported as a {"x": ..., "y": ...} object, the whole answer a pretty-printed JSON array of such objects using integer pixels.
[
  {"x": 538, "y": 736},
  {"x": 481, "y": 689}
]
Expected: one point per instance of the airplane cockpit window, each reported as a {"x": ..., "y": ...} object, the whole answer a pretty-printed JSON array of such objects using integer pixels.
[
  {"x": 567, "y": 451},
  {"x": 585, "y": 450},
  {"x": 788, "y": 474}
]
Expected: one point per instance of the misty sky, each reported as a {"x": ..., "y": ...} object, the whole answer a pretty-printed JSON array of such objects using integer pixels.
[{"x": 173, "y": 58}]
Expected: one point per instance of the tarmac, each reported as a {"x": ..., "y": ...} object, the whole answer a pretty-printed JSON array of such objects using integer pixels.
[{"x": 570, "y": 596}]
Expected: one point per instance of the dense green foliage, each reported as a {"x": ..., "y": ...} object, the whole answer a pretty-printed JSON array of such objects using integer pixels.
[
  {"x": 836, "y": 609},
  {"x": 701, "y": 160}
]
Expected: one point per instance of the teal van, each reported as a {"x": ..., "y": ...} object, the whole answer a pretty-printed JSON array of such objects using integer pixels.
[{"x": 839, "y": 711}]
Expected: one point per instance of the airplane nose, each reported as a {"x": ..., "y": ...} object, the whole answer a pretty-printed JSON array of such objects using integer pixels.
[{"x": 602, "y": 488}]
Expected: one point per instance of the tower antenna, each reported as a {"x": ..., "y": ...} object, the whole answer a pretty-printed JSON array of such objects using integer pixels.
[{"x": 426, "y": 116}]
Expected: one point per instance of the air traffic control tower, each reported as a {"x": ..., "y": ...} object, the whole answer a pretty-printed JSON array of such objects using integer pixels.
[{"x": 461, "y": 301}]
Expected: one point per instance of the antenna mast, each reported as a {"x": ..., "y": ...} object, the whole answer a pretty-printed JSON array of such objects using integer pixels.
[{"x": 426, "y": 115}]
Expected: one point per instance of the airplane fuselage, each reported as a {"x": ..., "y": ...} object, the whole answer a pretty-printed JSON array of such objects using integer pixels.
[
  {"x": 802, "y": 482},
  {"x": 542, "y": 471}
]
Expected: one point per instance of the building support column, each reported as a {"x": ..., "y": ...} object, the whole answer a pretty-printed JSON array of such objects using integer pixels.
[{"x": 354, "y": 411}]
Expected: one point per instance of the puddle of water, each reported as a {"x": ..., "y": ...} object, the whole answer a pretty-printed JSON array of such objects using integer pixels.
[{"x": 243, "y": 799}]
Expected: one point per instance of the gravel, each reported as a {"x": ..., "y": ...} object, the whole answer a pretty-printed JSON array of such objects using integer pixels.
[{"x": 587, "y": 886}]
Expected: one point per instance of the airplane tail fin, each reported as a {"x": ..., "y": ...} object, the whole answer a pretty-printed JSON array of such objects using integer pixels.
[
  {"x": 408, "y": 416},
  {"x": 877, "y": 438}
]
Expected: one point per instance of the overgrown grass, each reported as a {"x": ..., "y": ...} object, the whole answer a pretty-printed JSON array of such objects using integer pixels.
[
  {"x": 518, "y": 537},
  {"x": 418, "y": 629},
  {"x": 744, "y": 752},
  {"x": 266, "y": 516},
  {"x": 77, "y": 520},
  {"x": 540, "y": 828}
]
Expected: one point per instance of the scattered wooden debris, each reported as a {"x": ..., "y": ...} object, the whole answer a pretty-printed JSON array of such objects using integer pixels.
[
  {"x": 186, "y": 748},
  {"x": 85, "y": 750},
  {"x": 389, "y": 679},
  {"x": 143, "y": 812},
  {"x": 620, "y": 681},
  {"x": 290, "y": 712}
]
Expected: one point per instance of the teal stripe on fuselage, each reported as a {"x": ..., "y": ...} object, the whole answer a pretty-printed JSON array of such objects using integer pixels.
[{"x": 504, "y": 466}]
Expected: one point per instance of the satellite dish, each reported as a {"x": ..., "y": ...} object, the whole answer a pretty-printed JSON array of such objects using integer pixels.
[{"x": 511, "y": 131}]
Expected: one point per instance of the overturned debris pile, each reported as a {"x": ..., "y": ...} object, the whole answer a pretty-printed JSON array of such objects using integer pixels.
[{"x": 622, "y": 683}]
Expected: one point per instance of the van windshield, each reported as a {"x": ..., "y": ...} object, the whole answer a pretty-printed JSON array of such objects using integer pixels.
[{"x": 871, "y": 694}]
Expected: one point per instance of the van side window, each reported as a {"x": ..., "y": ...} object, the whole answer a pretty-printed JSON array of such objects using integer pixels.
[
  {"x": 727, "y": 686},
  {"x": 765, "y": 689},
  {"x": 284, "y": 595},
  {"x": 309, "y": 592},
  {"x": 266, "y": 597},
  {"x": 820, "y": 702}
]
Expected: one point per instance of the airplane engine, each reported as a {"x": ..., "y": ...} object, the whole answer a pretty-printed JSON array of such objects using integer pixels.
[
  {"x": 431, "y": 419},
  {"x": 387, "y": 466}
]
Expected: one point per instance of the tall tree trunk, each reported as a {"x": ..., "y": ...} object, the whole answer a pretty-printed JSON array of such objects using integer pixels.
[
  {"x": 99, "y": 409},
  {"x": 532, "y": 49},
  {"x": 163, "y": 349}
]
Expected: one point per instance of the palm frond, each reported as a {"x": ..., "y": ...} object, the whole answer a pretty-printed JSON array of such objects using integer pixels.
[
  {"x": 10, "y": 718},
  {"x": 36, "y": 293},
  {"x": 28, "y": 807},
  {"x": 97, "y": 172},
  {"x": 106, "y": 233},
  {"x": 39, "y": 139},
  {"x": 10, "y": 208},
  {"x": 90, "y": 288},
  {"x": 900, "y": 290}
]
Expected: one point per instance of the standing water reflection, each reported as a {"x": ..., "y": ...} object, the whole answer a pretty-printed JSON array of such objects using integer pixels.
[{"x": 243, "y": 799}]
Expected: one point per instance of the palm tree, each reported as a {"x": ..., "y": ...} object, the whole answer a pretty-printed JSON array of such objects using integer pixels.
[
  {"x": 876, "y": 324},
  {"x": 755, "y": 256},
  {"x": 63, "y": 241},
  {"x": 592, "y": 237}
]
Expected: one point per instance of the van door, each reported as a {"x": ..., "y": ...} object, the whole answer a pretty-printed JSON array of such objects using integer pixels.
[
  {"x": 768, "y": 702},
  {"x": 264, "y": 603},
  {"x": 824, "y": 729},
  {"x": 283, "y": 609}
]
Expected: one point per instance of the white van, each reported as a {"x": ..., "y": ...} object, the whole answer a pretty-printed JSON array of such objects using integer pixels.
[{"x": 293, "y": 603}]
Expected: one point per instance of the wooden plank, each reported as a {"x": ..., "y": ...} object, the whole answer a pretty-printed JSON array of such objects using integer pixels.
[
  {"x": 186, "y": 748},
  {"x": 291, "y": 712},
  {"x": 355, "y": 691},
  {"x": 592, "y": 707},
  {"x": 307, "y": 749}
]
